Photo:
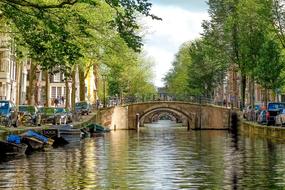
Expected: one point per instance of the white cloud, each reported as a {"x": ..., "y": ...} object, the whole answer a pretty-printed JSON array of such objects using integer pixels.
[{"x": 164, "y": 37}]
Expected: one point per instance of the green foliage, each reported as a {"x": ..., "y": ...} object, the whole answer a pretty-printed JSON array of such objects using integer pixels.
[
  {"x": 132, "y": 77},
  {"x": 177, "y": 78},
  {"x": 270, "y": 67},
  {"x": 57, "y": 33},
  {"x": 240, "y": 33}
]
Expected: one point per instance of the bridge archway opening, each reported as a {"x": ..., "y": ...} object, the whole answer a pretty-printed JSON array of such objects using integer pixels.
[{"x": 156, "y": 114}]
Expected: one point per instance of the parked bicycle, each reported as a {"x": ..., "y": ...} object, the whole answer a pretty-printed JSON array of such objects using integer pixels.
[
  {"x": 5, "y": 121},
  {"x": 28, "y": 120}
]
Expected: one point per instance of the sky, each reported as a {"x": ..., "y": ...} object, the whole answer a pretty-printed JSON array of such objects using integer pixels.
[{"x": 181, "y": 22}]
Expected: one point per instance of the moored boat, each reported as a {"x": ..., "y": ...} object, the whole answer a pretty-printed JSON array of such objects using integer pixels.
[
  {"x": 54, "y": 134},
  {"x": 96, "y": 128},
  {"x": 63, "y": 134},
  {"x": 36, "y": 141},
  {"x": 33, "y": 143},
  {"x": 12, "y": 146},
  {"x": 69, "y": 133}
]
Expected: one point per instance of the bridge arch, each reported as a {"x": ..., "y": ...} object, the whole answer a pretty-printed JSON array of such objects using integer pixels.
[
  {"x": 187, "y": 116},
  {"x": 162, "y": 115}
]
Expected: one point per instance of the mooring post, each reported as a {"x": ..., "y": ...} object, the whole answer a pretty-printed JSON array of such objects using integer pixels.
[
  {"x": 188, "y": 125},
  {"x": 200, "y": 116},
  {"x": 115, "y": 127},
  {"x": 137, "y": 121}
]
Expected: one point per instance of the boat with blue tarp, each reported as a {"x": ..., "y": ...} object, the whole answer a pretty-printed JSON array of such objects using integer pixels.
[
  {"x": 12, "y": 146},
  {"x": 36, "y": 141}
]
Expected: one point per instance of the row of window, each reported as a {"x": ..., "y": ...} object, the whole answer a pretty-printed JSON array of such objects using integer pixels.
[{"x": 58, "y": 77}]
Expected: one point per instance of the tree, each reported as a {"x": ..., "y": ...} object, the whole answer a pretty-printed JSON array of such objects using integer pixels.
[
  {"x": 270, "y": 67},
  {"x": 48, "y": 28},
  {"x": 176, "y": 79}
]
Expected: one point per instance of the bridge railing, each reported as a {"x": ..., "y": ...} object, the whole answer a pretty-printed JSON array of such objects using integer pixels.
[{"x": 170, "y": 98}]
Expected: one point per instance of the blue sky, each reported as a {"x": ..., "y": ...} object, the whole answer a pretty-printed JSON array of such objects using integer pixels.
[
  {"x": 181, "y": 22},
  {"x": 191, "y": 5}
]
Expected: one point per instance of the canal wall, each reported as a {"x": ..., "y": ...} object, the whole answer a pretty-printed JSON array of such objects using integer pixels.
[
  {"x": 114, "y": 117},
  {"x": 251, "y": 128}
]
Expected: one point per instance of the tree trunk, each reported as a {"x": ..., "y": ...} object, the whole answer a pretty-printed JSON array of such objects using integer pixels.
[
  {"x": 18, "y": 82},
  {"x": 20, "y": 98},
  {"x": 47, "y": 102},
  {"x": 235, "y": 89},
  {"x": 81, "y": 84},
  {"x": 73, "y": 90},
  {"x": 67, "y": 94},
  {"x": 96, "y": 76},
  {"x": 37, "y": 87},
  {"x": 243, "y": 87},
  {"x": 251, "y": 92},
  {"x": 31, "y": 92},
  {"x": 266, "y": 97}
]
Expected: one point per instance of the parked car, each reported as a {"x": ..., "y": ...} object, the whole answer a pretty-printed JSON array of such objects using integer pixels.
[
  {"x": 63, "y": 115},
  {"x": 8, "y": 113},
  {"x": 261, "y": 119},
  {"x": 273, "y": 109},
  {"x": 280, "y": 118},
  {"x": 83, "y": 107},
  {"x": 29, "y": 114}
]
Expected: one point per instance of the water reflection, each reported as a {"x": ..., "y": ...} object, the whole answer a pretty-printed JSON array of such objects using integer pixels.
[{"x": 160, "y": 156}]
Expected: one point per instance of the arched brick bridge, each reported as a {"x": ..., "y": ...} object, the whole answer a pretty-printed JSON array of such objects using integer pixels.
[{"x": 198, "y": 116}]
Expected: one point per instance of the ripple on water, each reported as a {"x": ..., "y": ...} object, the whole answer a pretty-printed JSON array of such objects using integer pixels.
[{"x": 158, "y": 157}]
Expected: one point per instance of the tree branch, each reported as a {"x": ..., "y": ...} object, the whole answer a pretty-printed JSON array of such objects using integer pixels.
[{"x": 26, "y": 3}]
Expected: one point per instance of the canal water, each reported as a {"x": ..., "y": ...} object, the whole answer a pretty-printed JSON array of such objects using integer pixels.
[{"x": 160, "y": 156}]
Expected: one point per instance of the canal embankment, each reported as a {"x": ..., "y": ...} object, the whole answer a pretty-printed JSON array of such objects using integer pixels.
[
  {"x": 86, "y": 120},
  {"x": 252, "y": 128}
]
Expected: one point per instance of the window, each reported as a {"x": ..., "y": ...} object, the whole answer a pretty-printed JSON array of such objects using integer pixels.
[
  {"x": 4, "y": 105},
  {"x": 53, "y": 92},
  {"x": 62, "y": 77},
  {"x": 56, "y": 77},
  {"x": 58, "y": 91},
  {"x": 3, "y": 62}
]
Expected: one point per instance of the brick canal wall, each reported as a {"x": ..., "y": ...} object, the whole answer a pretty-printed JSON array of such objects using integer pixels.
[{"x": 251, "y": 128}]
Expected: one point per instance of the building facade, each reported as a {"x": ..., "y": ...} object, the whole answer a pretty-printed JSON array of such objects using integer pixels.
[
  {"x": 7, "y": 69},
  {"x": 14, "y": 80}
]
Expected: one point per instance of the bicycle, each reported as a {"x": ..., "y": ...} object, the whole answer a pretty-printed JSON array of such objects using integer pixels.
[
  {"x": 5, "y": 121},
  {"x": 27, "y": 120}
]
